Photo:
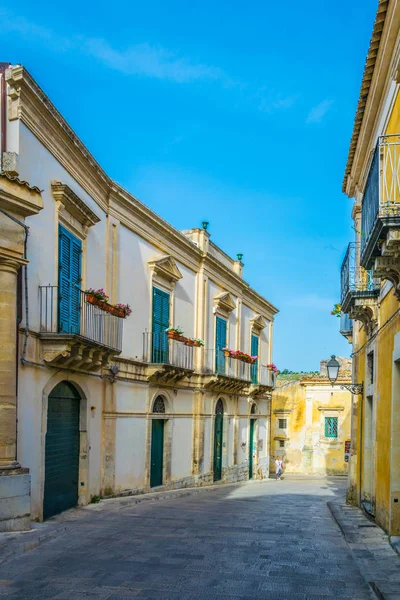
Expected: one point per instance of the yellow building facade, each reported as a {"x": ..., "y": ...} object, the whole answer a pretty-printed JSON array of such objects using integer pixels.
[
  {"x": 370, "y": 277},
  {"x": 310, "y": 423}
]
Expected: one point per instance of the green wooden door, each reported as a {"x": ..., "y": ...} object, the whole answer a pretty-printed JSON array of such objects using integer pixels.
[
  {"x": 69, "y": 281},
  {"x": 220, "y": 343},
  {"x": 62, "y": 450},
  {"x": 251, "y": 444},
  {"x": 254, "y": 352},
  {"x": 157, "y": 452},
  {"x": 218, "y": 436},
  {"x": 160, "y": 322}
]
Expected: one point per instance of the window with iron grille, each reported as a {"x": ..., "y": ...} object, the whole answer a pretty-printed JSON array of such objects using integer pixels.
[
  {"x": 282, "y": 423},
  {"x": 281, "y": 443},
  {"x": 331, "y": 427}
]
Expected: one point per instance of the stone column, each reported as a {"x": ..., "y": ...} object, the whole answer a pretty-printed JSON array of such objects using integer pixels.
[{"x": 14, "y": 481}]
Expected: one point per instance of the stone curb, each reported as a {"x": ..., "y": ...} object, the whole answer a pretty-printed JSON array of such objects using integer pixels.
[
  {"x": 370, "y": 547},
  {"x": 16, "y": 544}
]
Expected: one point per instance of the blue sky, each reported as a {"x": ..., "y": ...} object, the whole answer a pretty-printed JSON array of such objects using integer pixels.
[{"x": 238, "y": 113}]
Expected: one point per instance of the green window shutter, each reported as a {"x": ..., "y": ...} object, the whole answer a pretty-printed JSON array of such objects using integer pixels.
[
  {"x": 160, "y": 322},
  {"x": 70, "y": 268},
  {"x": 331, "y": 427},
  {"x": 255, "y": 342},
  {"x": 220, "y": 343}
]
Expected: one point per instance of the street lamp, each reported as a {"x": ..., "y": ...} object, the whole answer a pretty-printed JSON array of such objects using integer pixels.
[
  {"x": 205, "y": 224},
  {"x": 239, "y": 257},
  {"x": 332, "y": 367}
]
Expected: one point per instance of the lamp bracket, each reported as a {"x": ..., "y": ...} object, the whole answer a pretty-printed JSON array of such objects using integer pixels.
[{"x": 354, "y": 388}]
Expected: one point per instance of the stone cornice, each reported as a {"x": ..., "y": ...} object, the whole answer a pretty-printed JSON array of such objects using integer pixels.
[
  {"x": 379, "y": 65},
  {"x": 75, "y": 206},
  {"x": 166, "y": 267},
  {"x": 29, "y": 103},
  {"x": 19, "y": 198}
]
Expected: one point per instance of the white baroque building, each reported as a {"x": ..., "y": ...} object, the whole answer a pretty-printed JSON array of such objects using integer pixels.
[{"x": 107, "y": 405}]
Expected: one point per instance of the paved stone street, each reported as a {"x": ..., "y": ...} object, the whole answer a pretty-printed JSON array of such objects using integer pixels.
[{"x": 270, "y": 540}]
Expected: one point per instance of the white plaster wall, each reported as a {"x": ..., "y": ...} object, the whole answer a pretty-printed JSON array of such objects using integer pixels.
[
  {"x": 245, "y": 334},
  {"x": 40, "y": 168},
  {"x": 243, "y": 436},
  {"x": 184, "y": 301},
  {"x": 181, "y": 450},
  {"x": 130, "y": 451},
  {"x": 130, "y": 397}
]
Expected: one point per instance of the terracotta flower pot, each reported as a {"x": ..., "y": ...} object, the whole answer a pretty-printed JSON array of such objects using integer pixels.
[
  {"x": 197, "y": 344},
  {"x": 189, "y": 342},
  {"x": 117, "y": 312},
  {"x": 172, "y": 335}
]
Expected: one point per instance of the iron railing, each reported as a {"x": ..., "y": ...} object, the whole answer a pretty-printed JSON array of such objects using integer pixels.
[
  {"x": 158, "y": 349},
  {"x": 381, "y": 201},
  {"x": 68, "y": 311},
  {"x": 215, "y": 362},
  {"x": 267, "y": 377},
  {"x": 355, "y": 278}
]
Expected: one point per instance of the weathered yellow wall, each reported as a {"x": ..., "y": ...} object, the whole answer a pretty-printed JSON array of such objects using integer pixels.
[{"x": 305, "y": 404}]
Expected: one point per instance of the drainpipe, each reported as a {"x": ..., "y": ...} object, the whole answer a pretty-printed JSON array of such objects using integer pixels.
[{"x": 26, "y": 229}]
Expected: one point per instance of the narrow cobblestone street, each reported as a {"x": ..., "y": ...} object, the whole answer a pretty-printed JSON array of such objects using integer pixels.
[{"x": 274, "y": 540}]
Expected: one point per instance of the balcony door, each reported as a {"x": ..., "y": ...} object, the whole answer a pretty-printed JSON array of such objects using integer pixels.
[
  {"x": 69, "y": 281},
  {"x": 255, "y": 342},
  {"x": 160, "y": 322},
  {"x": 220, "y": 343}
]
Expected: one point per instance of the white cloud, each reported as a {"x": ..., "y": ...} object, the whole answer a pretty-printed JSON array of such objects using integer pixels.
[{"x": 318, "y": 112}]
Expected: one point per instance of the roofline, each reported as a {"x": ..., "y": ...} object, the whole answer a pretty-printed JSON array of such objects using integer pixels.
[{"x": 369, "y": 68}]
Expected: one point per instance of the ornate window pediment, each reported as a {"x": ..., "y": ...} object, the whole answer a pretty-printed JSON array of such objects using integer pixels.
[
  {"x": 165, "y": 270},
  {"x": 73, "y": 210},
  {"x": 224, "y": 304},
  {"x": 258, "y": 324}
]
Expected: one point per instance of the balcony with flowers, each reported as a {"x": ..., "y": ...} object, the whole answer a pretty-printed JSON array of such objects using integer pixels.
[{"x": 359, "y": 290}]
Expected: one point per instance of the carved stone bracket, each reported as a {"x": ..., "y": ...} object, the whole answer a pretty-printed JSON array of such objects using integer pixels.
[
  {"x": 391, "y": 244},
  {"x": 366, "y": 311},
  {"x": 70, "y": 351},
  {"x": 222, "y": 383},
  {"x": 166, "y": 373},
  {"x": 259, "y": 390},
  {"x": 388, "y": 267}
]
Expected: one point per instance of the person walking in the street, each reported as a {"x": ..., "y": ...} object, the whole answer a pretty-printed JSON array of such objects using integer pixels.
[{"x": 278, "y": 467}]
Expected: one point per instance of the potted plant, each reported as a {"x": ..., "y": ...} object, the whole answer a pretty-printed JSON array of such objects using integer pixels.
[
  {"x": 272, "y": 367},
  {"x": 226, "y": 351},
  {"x": 198, "y": 343},
  {"x": 121, "y": 310},
  {"x": 175, "y": 333},
  {"x": 97, "y": 297},
  {"x": 337, "y": 310},
  {"x": 189, "y": 342}
]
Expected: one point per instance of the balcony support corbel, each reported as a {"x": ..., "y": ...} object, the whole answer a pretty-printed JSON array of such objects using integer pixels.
[
  {"x": 366, "y": 311},
  {"x": 388, "y": 267}
]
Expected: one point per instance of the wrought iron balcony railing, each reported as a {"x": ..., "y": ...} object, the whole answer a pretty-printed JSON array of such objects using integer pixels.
[
  {"x": 67, "y": 311},
  {"x": 158, "y": 349},
  {"x": 381, "y": 202},
  {"x": 215, "y": 362},
  {"x": 355, "y": 280}
]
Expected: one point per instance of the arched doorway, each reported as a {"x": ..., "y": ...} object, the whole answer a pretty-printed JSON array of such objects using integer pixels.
[
  {"x": 218, "y": 434},
  {"x": 251, "y": 439},
  {"x": 62, "y": 450},
  {"x": 157, "y": 444}
]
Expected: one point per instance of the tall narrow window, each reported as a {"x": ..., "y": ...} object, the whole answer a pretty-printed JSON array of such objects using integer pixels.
[
  {"x": 69, "y": 281},
  {"x": 220, "y": 343},
  {"x": 282, "y": 423},
  {"x": 160, "y": 323},
  {"x": 331, "y": 427},
  {"x": 255, "y": 343}
]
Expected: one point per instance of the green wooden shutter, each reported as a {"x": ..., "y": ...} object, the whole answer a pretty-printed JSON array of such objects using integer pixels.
[
  {"x": 220, "y": 343},
  {"x": 331, "y": 427},
  {"x": 69, "y": 264},
  {"x": 160, "y": 322},
  {"x": 255, "y": 342}
]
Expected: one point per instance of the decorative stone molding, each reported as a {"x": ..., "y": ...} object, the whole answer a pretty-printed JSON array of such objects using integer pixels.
[
  {"x": 366, "y": 311},
  {"x": 74, "y": 205},
  {"x": 224, "y": 384},
  {"x": 224, "y": 304},
  {"x": 258, "y": 390},
  {"x": 258, "y": 324},
  {"x": 388, "y": 267},
  {"x": 19, "y": 197},
  {"x": 330, "y": 408},
  {"x": 71, "y": 351},
  {"x": 391, "y": 243},
  {"x": 166, "y": 374},
  {"x": 164, "y": 270}
]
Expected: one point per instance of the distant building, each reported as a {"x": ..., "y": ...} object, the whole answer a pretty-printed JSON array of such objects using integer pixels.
[{"x": 310, "y": 422}]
